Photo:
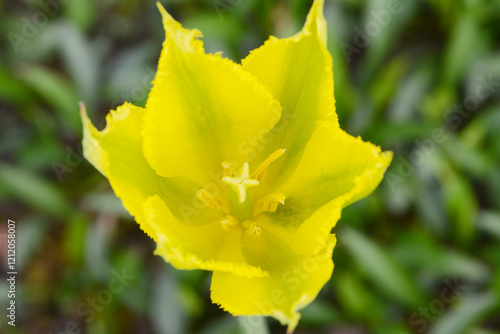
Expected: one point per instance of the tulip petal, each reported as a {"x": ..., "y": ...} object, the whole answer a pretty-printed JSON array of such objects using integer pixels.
[
  {"x": 292, "y": 284},
  {"x": 298, "y": 72},
  {"x": 92, "y": 149},
  {"x": 315, "y": 21},
  {"x": 206, "y": 247},
  {"x": 202, "y": 110},
  {"x": 335, "y": 170},
  {"x": 116, "y": 151}
]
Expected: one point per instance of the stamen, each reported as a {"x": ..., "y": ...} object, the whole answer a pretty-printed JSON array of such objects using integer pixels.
[
  {"x": 252, "y": 229},
  {"x": 241, "y": 182},
  {"x": 209, "y": 200},
  {"x": 269, "y": 203},
  {"x": 228, "y": 168},
  {"x": 261, "y": 171},
  {"x": 228, "y": 223}
]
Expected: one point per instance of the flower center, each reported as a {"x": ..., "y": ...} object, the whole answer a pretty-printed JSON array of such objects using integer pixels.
[
  {"x": 241, "y": 209},
  {"x": 241, "y": 182}
]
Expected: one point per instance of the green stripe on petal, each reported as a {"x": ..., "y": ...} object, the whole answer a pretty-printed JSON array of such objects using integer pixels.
[
  {"x": 298, "y": 72},
  {"x": 206, "y": 247},
  {"x": 292, "y": 284},
  {"x": 336, "y": 169},
  {"x": 117, "y": 152},
  {"x": 203, "y": 109}
]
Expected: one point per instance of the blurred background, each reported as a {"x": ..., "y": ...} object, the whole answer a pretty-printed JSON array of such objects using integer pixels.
[{"x": 419, "y": 255}]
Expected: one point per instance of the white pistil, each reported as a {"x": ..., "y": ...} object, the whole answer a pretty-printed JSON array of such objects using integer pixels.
[{"x": 241, "y": 182}]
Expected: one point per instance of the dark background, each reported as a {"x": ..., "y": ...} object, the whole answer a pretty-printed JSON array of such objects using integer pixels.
[{"x": 421, "y": 78}]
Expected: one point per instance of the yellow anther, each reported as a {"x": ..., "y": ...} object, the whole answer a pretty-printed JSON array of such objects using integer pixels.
[
  {"x": 228, "y": 168},
  {"x": 270, "y": 202},
  {"x": 252, "y": 229},
  {"x": 209, "y": 200},
  {"x": 228, "y": 223},
  {"x": 261, "y": 171},
  {"x": 241, "y": 182}
]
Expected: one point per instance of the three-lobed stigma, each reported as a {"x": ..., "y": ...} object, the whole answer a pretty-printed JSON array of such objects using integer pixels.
[
  {"x": 241, "y": 209},
  {"x": 241, "y": 182}
]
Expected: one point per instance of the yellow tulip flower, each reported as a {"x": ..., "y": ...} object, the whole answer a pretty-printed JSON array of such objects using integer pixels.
[{"x": 242, "y": 170}]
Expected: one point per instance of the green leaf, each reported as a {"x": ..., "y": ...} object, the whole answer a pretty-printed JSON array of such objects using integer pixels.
[
  {"x": 30, "y": 232},
  {"x": 11, "y": 90},
  {"x": 381, "y": 268},
  {"x": 482, "y": 331},
  {"x": 489, "y": 222},
  {"x": 80, "y": 59},
  {"x": 81, "y": 12},
  {"x": 461, "y": 204},
  {"x": 466, "y": 43},
  {"x": 381, "y": 31},
  {"x": 167, "y": 315},
  {"x": 355, "y": 297},
  {"x": 131, "y": 74},
  {"x": 33, "y": 190},
  {"x": 57, "y": 92},
  {"x": 104, "y": 203},
  {"x": 97, "y": 247},
  {"x": 74, "y": 239},
  {"x": 472, "y": 160},
  {"x": 391, "y": 75},
  {"x": 253, "y": 325},
  {"x": 320, "y": 313},
  {"x": 456, "y": 264},
  {"x": 468, "y": 312}
]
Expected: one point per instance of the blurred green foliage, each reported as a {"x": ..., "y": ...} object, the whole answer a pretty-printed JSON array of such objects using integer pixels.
[{"x": 421, "y": 254}]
